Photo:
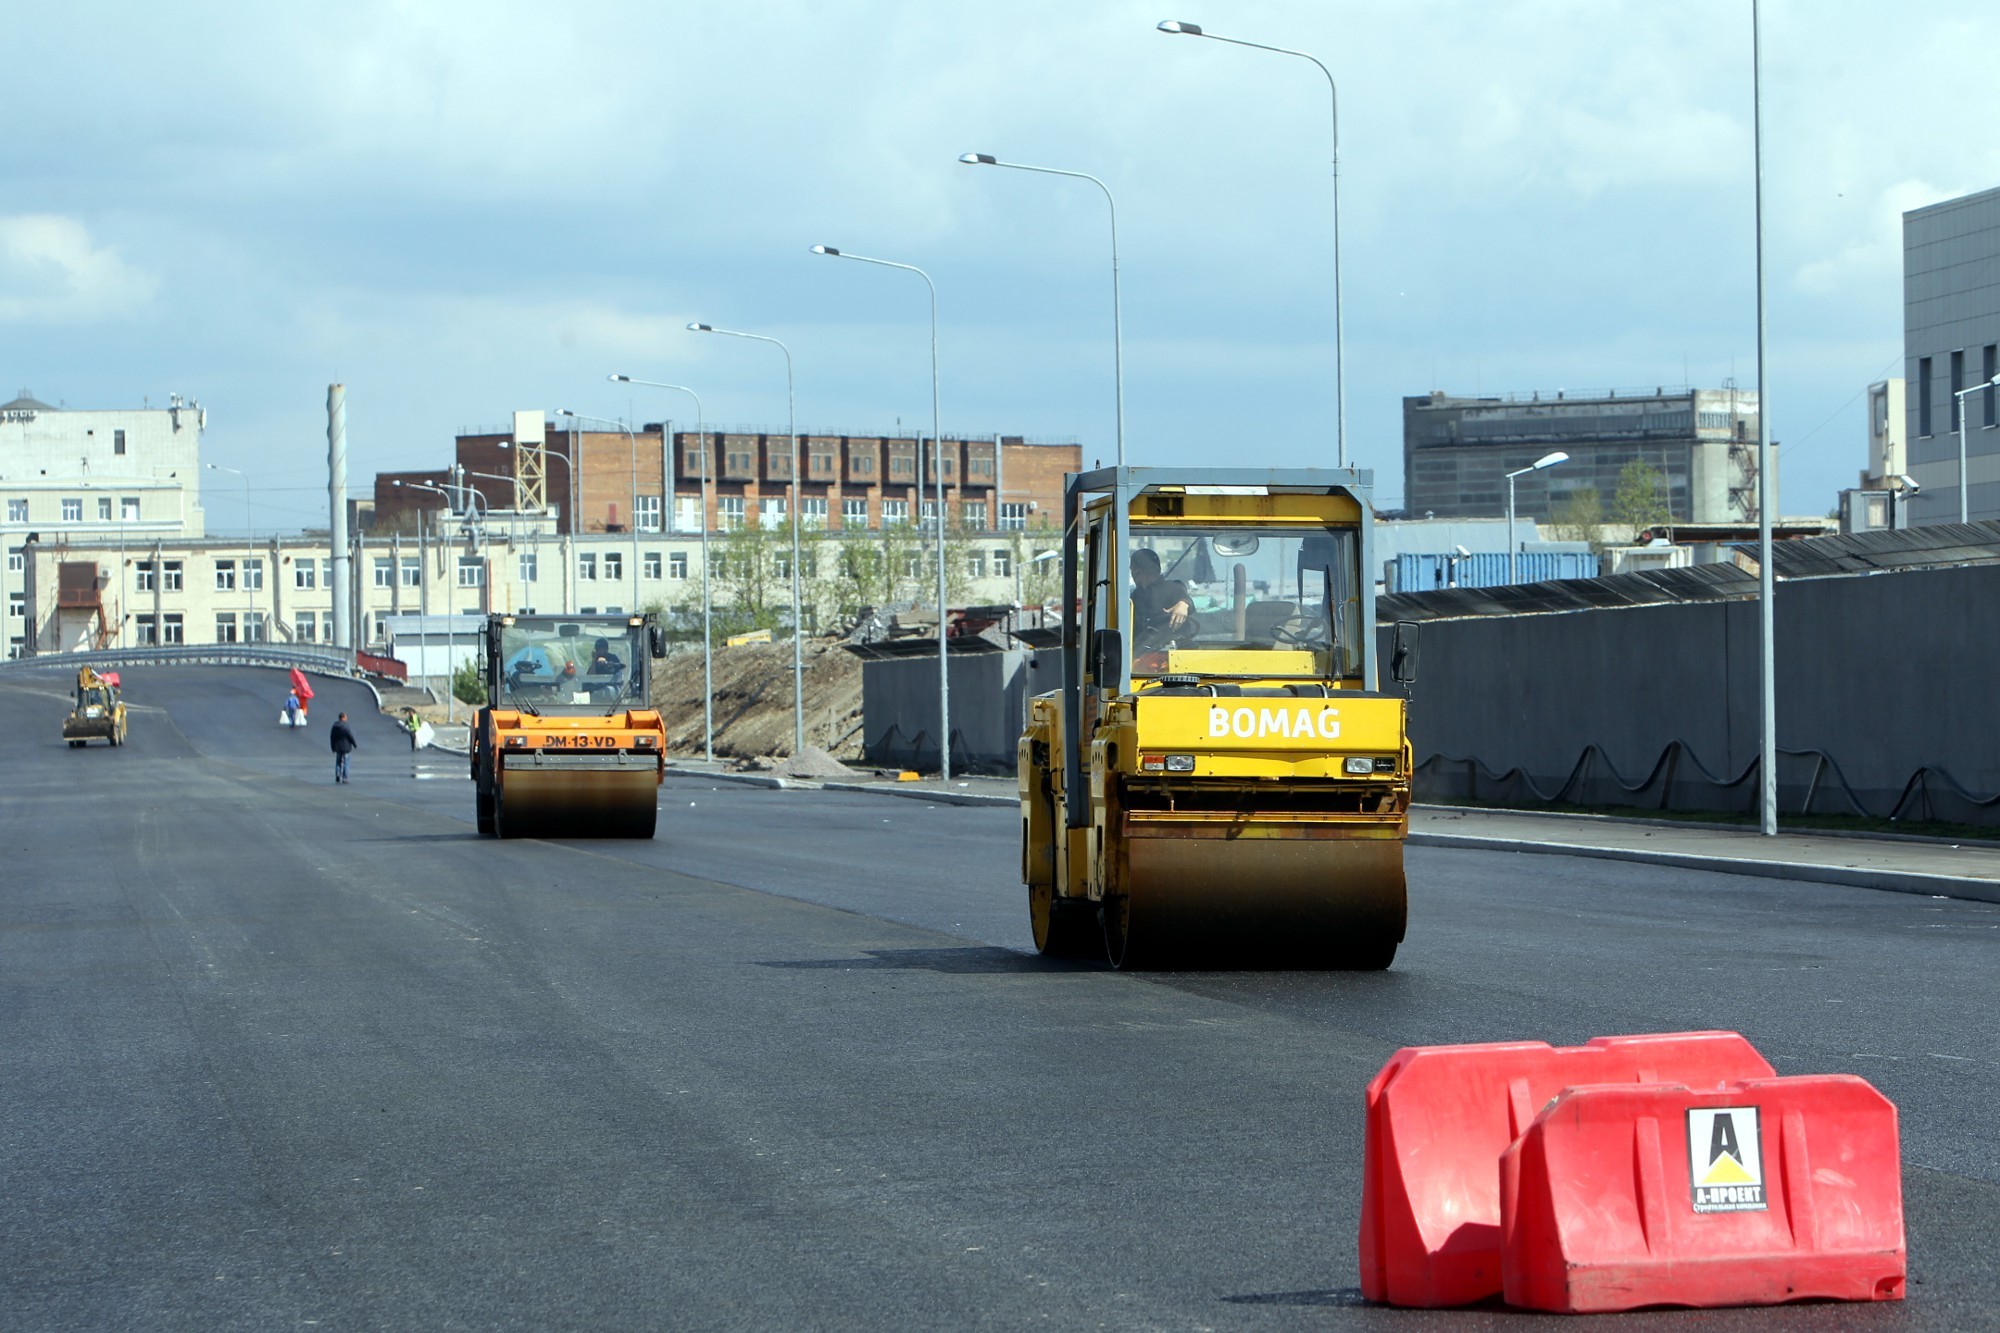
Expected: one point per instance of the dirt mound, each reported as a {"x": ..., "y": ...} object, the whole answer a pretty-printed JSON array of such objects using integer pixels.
[
  {"x": 753, "y": 703},
  {"x": 813, "y": 762}
]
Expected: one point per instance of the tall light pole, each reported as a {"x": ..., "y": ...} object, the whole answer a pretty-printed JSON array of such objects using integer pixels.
[
  {"x": 632, "y": 517},
  {"x": 568, "y": 602},
  {"x": 250, "y": 549},
  {"x": 1964, "y": 481},
  {"x": 1767, "y": 584},
  {"x": 707, "y": 634},
  {"x": 1117, "y": 329},
  {"x": 798, "y": 624},
  {"x": 1333, "y": 94},
  {"x": 450, "y": 679},
  {"x": 1546, "y": 460},
  {"x": 937, "y": 462}
]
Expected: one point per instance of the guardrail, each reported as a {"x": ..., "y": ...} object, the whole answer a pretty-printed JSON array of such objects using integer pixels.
[{"x": 330, "y": 661}]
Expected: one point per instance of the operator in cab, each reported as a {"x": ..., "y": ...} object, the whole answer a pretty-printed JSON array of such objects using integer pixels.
[{"x": 1161, "y": 611}]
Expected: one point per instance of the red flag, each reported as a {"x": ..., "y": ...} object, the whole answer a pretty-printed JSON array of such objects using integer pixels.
[{"x": 305, "y": 691}]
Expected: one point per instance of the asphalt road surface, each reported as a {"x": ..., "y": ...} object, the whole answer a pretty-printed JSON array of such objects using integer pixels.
[{"x": 284, "y": 1054}]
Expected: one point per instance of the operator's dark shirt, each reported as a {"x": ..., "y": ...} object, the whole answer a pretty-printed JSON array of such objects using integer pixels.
[{"x": 1149, "y": 606}]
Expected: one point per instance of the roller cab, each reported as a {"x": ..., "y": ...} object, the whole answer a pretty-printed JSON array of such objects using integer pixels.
[
  {"x": 1218, "y": 782},
  {"x": 568, "y": 744}
]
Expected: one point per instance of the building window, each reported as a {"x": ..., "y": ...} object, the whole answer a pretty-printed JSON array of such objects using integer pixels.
[
  {"x": 385, "y": 571},
  {"x": 171, "y": 629},
  {"x": 1923, "y": 395},
  {"x": 677, "y": 565},
  {"x": 729, "y": 512},
  {"x": 72, "y": 510},
  {"x": 1003, "y": 562},
  {"x": 738, "y": 462},
  {"x": 895, "y": 512},
  {"x": 471, "y": 572},
  {"x": 17, "y": 511},
  {"x": 143, "y": 576},
  {"x": 253, "y": 575},
  {"x": 413, "y": 571},
  {"x": 975, "y": 515},
  {"x": 649, "y": 513},
  {"x": 1013, "y": 517},
  {"x": 1957, "y": 386},
  {"x": 979, "y": 465},
  {"x": 16, "y": 561},
  {"x": 305, "y": 574},
  {"x": 812, "y": 512},
  {"x": 771, "y": 511},
  {"x": 128, "y": 509},
  {"x": 17, "y": 606},
  {"x": 225, "y": 627},
  {"x": 902, "y": 465},
  {"x": 930, "y": 513},
  {"x": 586, "y": 566},
  {"x": 651, "y": 562},
  {"x": 529, "y": 567},
  {"x": 975, "y": 564},
  {"x": 253, "y": 629},
  {"x": 117, "y": 441},
  {"x": 687, "y": 513},
  {"x": 148, "y": 630},
  {"x": 691, "y": 456},
  {"x": 614, "y": 565},
  {"x": 854, "y": 513},
  {"x": 305, "y": 627},
  {"x": 1992, "y": 364},
  {"x": 862, "y": 465},
  {"x": 103, "y": 509},
  {"x": 225, "y": 581},
  {"x": 170, "y": 581}
]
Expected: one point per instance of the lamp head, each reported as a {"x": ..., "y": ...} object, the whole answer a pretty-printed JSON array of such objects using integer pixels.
[
  {"x": 619, "y": 379},
  {"x": 395, "y": 483},
  {"x": 564, "y": 412},
  {"x": 1175, "y": 25},
  {"x": 825, "y": 250},
  {"x": 1550, "y": 460},
  {"x": 978, "y": 159},
  {"x": 701, "y": 328}
]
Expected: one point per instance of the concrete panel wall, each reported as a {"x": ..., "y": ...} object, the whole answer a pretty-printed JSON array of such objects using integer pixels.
[
  {"x": 1881, "y": 682},
  {"x": 989, "y": 701}
]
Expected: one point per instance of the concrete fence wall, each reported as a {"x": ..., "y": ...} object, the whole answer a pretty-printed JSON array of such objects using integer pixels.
[
  {"x": 989, "y": 703},
  {"x": 1884, "y": 701}
]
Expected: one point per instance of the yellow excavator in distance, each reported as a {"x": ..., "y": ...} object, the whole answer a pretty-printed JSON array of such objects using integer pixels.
[
  {"x": 1218, "y": 782},
  {"x": 99, "y": 714}
]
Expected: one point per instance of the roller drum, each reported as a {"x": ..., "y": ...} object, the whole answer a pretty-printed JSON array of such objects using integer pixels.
[
  {"x": 576, "y": 802},
  {"x": 1257, "y": 901}
]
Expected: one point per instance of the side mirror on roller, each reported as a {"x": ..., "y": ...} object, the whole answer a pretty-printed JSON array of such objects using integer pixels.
[
  {"x": 656, "y": 638},
  {"x": 1107, "y": 655},
  {"x": 1403, "y": 652}
]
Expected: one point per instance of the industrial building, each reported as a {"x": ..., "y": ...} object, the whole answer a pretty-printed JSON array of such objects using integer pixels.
[
  {"x": 116, "y": 478},
  {"x": 1951, "y": 350},
  {"x": 1458, "y": 451},
  {"x": 611, "y": 481}
]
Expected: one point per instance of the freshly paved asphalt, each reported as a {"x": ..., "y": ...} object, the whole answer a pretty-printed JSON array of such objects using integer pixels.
[{"x": 280, "y": 1053}]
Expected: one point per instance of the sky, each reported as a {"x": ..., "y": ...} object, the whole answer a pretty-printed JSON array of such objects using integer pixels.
[{"x": 459, "y": 210}]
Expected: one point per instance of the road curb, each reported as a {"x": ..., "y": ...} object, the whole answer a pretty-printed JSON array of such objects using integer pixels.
[
  {"x": 1894, "y": 881},
  {"x": 914, "y": 792}
]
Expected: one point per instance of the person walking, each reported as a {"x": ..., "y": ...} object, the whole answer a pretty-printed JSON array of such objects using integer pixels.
[
  {"x": 292, "y": 709},
  {"x": 412, "y": 723},
  {"x": 344, "y": 744}
]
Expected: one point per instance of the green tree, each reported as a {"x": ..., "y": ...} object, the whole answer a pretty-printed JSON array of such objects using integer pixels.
[
  {"x": 1641, "y": 498},
  {"x": 1579, "y": 517},
  {"x": 468, "y": 684},
  {"x": 750, "y": 585}
]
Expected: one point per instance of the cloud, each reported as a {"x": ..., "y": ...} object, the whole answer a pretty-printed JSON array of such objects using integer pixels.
[{"x": 51, "y": 271}]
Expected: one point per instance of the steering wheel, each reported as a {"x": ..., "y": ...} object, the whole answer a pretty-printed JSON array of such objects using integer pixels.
[{"x": 1305, "y": 631}]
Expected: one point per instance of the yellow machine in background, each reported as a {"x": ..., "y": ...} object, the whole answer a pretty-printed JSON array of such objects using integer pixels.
[
  {"x": 1218, "y": 781},
  {"x": 99, "y": 714},
  {"x": 568, "y": 744}
]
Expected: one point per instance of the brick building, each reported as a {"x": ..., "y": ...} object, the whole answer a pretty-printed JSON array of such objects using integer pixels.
[{"x": 599, "y": 481}]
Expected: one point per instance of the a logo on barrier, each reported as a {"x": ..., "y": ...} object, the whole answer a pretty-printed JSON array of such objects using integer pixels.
[{"x": 1725, "y": 1160}]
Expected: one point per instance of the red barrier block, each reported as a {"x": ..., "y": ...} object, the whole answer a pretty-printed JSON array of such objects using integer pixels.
[
  {"x": 1771, "y": 1190},
  {"x": 1440, "y": 1116}
]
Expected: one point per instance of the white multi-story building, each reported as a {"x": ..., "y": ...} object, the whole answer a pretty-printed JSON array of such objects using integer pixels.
[{"x": 114, "y": 479}]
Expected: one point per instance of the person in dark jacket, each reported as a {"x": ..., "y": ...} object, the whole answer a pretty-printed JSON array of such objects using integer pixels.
[{"x": 344, "y": 744}]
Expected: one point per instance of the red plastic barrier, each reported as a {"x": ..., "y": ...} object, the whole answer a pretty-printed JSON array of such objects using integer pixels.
[
  {"x": 1771, "y": 1190},
  {"x": 1440, "y": 1116}
]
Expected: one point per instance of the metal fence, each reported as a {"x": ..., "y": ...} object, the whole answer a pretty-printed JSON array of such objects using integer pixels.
[{"x": 330, "y": 661}]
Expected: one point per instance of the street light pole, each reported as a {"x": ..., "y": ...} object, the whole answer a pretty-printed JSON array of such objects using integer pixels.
[
  {"x": 1333, "y": 93},
  {"x": 1546, "y": 460},
  {"x": 798, "y": 626},
  {"x": 250, "y": 540},
  {"x": 937, "y": 461},
  {"x": 707, "y": 635},
  {"x": 450, "y": 678},
  {"x": 1117, "y": 328},
  {"x": 1965, "y": 481},
  {"x": 1767, "y": 636},
  {"x": 569, "y": 603},
  {"x": 631, "y": 517}
]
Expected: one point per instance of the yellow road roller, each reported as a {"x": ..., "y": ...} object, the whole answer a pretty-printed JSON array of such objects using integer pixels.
[
  {"x": 1218, "y": 782},
  {"x": 568, "y": 744}
]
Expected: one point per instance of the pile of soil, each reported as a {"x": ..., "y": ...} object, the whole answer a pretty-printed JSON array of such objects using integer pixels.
[{"x": 753, "y": 704}]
